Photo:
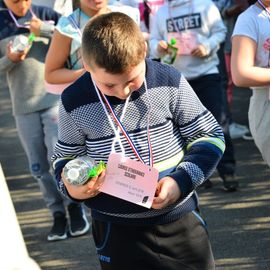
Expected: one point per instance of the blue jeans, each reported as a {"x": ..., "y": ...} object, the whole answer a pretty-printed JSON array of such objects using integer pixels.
[
  {"x": 209, "y": 90},
  {"x": 38, "y": 134}
]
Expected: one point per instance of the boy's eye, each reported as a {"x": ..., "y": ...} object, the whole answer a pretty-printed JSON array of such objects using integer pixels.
[{"x": 109, "y": 85}]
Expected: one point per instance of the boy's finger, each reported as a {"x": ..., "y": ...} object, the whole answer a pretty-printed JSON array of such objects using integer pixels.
[{"x": 159, "y": 203}]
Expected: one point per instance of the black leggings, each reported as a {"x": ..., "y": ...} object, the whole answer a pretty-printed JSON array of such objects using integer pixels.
[{"x": 180, "y": 245}]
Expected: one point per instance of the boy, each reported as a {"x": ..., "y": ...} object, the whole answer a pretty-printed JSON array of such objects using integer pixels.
[
  {"x": 163, "y": 124},
  {"x": 35, "y": 111},
  {"x": 198, "y": 29}
]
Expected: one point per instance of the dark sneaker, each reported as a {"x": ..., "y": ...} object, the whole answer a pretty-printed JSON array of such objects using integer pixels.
[
  {"x": 79, "y": 224},
  {"x": 229, "y": 183},
  {"x": 59, "y": 228},
  {"x": 207, "y": 184}
]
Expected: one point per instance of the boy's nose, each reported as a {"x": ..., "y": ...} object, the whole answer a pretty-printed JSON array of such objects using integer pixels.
[{"x": 23, "y": 7}]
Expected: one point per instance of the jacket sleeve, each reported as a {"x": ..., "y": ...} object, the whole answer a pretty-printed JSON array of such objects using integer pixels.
[
  {"x": 157, "y": 33},
  {"x": 65, "y": 151},
  {"x": 49, "y": 19},
  {"x": 216, "y": 27},
  {"x": 204, "y": 140}
]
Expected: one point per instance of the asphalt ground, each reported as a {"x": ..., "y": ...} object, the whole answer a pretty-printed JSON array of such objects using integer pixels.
[{"x": 238, "y": 222}]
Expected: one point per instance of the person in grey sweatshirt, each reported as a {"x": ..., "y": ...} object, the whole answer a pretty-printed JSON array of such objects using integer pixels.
[
  {"x": 36, "y": 111},
  {"x": 198, "y": 29}
]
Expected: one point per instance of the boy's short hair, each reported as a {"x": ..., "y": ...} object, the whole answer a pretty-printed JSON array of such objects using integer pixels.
[{"x": 113, "y": 41}]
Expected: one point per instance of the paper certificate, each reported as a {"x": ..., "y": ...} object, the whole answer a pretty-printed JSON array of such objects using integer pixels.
[
  {"x": 185, "y": 42},
  {"x": 130, "y": 180}
]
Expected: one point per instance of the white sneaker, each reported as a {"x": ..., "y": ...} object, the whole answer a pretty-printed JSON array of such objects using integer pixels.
[
  {"x": 59, "y": 228},
  {"x": 248, "y": 136},
  {"x": 237, "y": 131},
  {"x": 79, "y": 224}
]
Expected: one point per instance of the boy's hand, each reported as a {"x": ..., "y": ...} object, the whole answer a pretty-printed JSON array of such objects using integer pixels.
[
  {"x": 167, "y": 193},
  {"x": 15, "y": 56},
  {"x": 35, "y": 25},
  {"x": 199, "y": 51},
  {"x": 86, "y": 191},
  {"x": 94, "y": 185},
  {"x": 162, "y": 47}
]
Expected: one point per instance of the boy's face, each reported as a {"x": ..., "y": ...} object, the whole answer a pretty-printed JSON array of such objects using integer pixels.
[
  {"x": 18, "y": 7},
  {"x": 94, "y": 4},
  {"x": 118, "y": 85}
]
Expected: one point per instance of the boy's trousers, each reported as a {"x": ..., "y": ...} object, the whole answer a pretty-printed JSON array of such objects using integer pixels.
[{"x": 180, "y": 245}]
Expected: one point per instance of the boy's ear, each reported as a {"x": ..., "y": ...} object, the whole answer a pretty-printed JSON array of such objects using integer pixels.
[
  {"x": 145, "y": 48},
  {"x": 86, "y": 67}
]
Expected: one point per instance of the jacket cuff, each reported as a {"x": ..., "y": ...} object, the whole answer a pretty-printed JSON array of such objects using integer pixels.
[
  {"x": 183, "y": 180},
  {"x": 46, "y": 29}
]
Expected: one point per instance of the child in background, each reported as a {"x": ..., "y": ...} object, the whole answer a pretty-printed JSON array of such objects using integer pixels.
[
  {"x": 161, "y": 123},
  {"x": 63, "y": 62},
  {"x": 35, "y": 111},
  {"x": 198, "y": 30},
  {"x": 250, "y": 64},
  {"x": 229, "y": 10},
  {"x": 147, "y": 9}
]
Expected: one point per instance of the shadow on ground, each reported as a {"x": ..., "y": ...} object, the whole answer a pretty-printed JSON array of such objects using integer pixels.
[{"x": 238, "y": 223}]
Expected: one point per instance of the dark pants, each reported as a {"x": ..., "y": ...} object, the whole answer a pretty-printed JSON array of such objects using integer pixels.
[
  {"x": 224, "y": 80},
  {"x": 208, "y": 89},
  {"x": 180, "y": 245}
]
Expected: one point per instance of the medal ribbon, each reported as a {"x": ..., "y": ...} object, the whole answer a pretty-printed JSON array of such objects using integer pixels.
[
  {"x": 122, "y": 128},
  {"x": 263, "y": 6},
  {"x": 25, "y": 25}
]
